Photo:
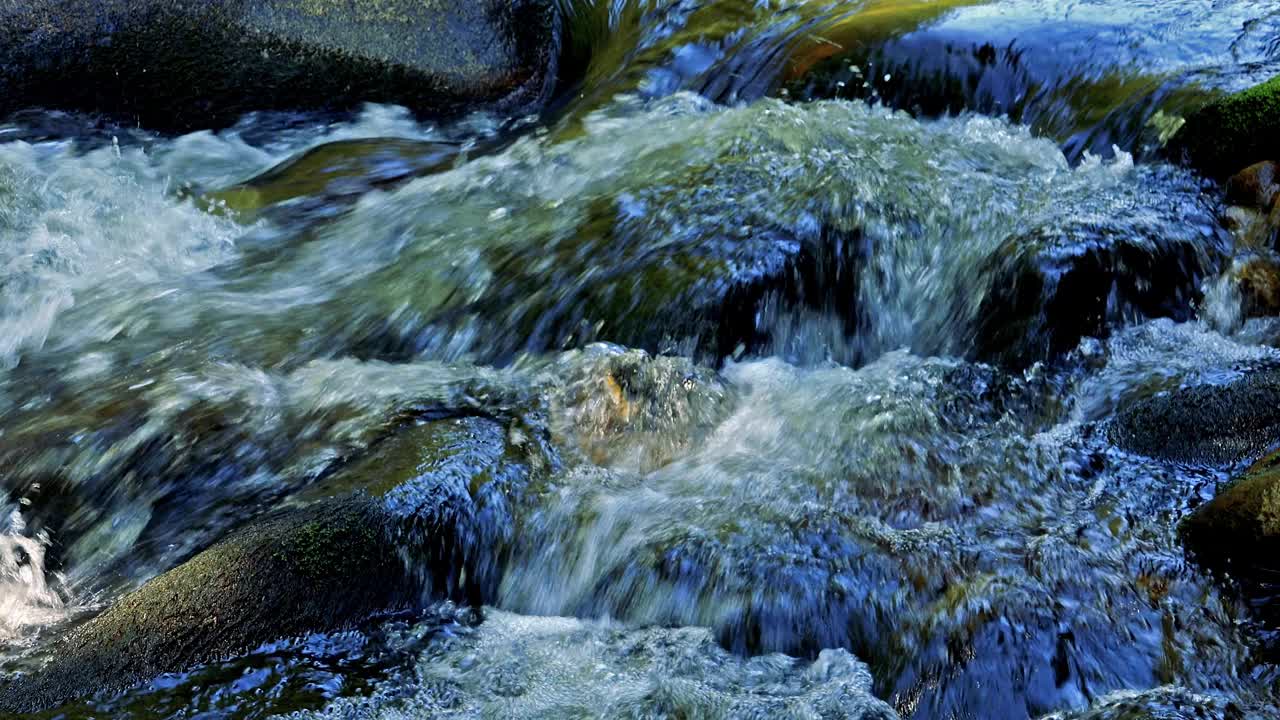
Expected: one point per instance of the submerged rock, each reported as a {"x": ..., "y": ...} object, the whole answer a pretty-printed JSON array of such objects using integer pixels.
[
  {"x": 335, "y": 173},
  {"x": 424, "y": 515},
  {"x": 1207, "y": 423},
  {"x": 1258, "y": 279},
  {"x": 625, "y": 407},
  {"x": 172, "y": 66},
  {"x": 1232, "y": 133},
  {"x": 859, "y": 510},
  {"x": 1164, "y": 703}
]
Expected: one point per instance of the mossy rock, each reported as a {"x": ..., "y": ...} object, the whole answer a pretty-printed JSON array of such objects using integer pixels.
[
  {"x": 173, "y": 65},
  {"x": 424, "y": 515},
  {"x": 1162, "y": 703},
  {"x": 319, "y": 568},
  {"x": 1233, "y": 133},
  {"x": 1242, "y": 524},
  {"x": 1213, "y": 424}
]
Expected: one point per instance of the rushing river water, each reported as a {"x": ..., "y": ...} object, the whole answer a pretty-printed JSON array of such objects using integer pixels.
[{"x": 844, "y": 513}]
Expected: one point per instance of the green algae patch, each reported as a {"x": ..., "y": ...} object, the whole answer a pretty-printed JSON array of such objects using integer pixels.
[
  {"x": 1232, "y": 133},
  {"x": 346, "y": 168}
]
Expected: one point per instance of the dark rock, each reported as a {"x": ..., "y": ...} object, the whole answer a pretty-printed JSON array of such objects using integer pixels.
[
  {"x": 425, "y": 515},
  {"x": 1257, "y": 186},
  {"x": 1232, "y": 133},
  {"x": 1050, "y": 289},
  {"x": 1205, "y": 423},
  {"x": 170, "y": 65},
  {"x": 1085, "y": 105}
]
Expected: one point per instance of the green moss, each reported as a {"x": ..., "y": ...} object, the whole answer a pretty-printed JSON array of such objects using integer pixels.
[
  {"x": 343, "y": 168},
  {"x": 1228, "y": 135},
  {"x": 174, "y": 66},
  {"x": 324, "y": 567}
]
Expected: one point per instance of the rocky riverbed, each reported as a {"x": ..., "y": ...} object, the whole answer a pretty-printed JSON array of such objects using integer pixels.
[{"x": 887, "y": 359}]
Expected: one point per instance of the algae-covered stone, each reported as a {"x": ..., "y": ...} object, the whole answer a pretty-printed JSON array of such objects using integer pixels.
[
  {"x": 1258, "y": 279},
  {"x": 180, "y": 65},
  {"x": 319, "y": 568},
  {"x": 1205, "y": 423},
  {"x": 1241, "y": 524},
  {"x": 453, "y": 488},
  {"x": 1232, "y": 133},
  {"x": 334, "y": 172},
  {"x": 1050, "y": 288},
  {"x": 424, "y": 515}
]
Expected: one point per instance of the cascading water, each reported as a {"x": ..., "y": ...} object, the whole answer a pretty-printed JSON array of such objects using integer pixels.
[{"x": 843, "y": 491}]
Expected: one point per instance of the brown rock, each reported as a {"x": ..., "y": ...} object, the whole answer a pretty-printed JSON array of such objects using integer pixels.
[
  {"x": 1257, "y": 186},
  {"x": 1259, "y": 281}
]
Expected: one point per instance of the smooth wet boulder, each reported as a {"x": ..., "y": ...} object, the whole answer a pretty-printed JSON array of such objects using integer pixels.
[
  {"x": 1233, "y": 133},
  {"x": 1207, "y": 423},
  {"x": 424, "y": 515},
  {"x": 452, "y": 488},
  {"x": 320, "y": 568},
  {"x": 172, "y": 65},
  {"x": 1256, "y": 186}
]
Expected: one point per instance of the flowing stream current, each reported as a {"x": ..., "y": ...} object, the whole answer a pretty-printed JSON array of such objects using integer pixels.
[{"x": 844, "y": 512}]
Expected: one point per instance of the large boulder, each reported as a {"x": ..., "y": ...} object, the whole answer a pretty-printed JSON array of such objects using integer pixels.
[
  {"x": 173, "y": 65},
  {"x": 1233, "y": 133},
  {"x": 423, "y": 516}
]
